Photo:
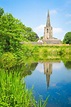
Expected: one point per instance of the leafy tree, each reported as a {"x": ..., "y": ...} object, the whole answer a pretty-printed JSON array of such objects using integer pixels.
[
  {"x": 32, "y": 36},
  {"x": 1, "y": 12},
  {"x": 67, "y": 38},
  {"x": 10, "y": 32},
  {"x": 28, "y": 29},
  {"x": 41, "y": 37}
]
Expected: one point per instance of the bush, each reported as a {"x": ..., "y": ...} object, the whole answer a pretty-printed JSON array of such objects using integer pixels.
[
  {"x": 8, "y": 60},
  {"x": 67, "y": 38}
]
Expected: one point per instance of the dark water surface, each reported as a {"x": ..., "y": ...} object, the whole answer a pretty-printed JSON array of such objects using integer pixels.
[{"x": 51, "y": 79}]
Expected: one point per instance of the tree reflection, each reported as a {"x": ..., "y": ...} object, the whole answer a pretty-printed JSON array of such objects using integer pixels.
[
  {"x": 28, "y": 69},
  {"x": 67, "y": 64},
  {"x": 22, "y": 69}
]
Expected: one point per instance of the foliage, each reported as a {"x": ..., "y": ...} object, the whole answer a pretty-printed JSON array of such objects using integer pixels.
[
  {"x": 13, "y": 92},
  {"x": 12, "y": 32},
  {"x": 32, "y": 36},
  {"x": 67, "y": 38},
  {"x": 67, "y": 64},
  {"x": 1, "y": 12},
  {"x": 8, "y": 60},
  {"x": 41, "y": 37}
]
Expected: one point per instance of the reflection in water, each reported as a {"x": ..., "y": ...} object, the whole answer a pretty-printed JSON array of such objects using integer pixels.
[
  {"x": 47, "y": 71},
  {"x": 28, "y": 69},
  {"x": 67, "y": 64},
  {"x": 58, "y": 80}
]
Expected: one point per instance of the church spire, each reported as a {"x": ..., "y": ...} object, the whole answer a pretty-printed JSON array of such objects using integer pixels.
[{"x": 48, "y": 20}]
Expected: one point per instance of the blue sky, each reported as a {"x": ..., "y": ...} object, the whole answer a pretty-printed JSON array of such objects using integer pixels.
[{"x": 33, "y": 13}]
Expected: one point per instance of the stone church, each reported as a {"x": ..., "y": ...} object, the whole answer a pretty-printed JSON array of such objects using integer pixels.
[{"x": 48, "y": 33}]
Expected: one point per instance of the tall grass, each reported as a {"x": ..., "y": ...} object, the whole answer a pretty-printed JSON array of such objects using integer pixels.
[{"x": 13, "y": 92}]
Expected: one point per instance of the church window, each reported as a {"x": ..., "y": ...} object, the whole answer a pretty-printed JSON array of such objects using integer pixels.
[{"x": 47, "y": 30}]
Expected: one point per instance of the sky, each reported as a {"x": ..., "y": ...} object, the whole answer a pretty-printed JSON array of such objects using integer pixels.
[{"x": 33, "y": 13}]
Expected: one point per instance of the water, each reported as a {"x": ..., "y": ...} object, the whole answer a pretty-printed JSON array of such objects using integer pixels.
[{"x": 51, "y": 79}]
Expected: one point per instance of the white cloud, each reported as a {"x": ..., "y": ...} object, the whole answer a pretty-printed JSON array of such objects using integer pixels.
[
  {"x": 52, "y": 12},
  {"x": 58, "y": 33},
  {"x": 39, "y": 30},
  {"x": 57, "y": 65},
  {"x": 58, "y": 30}
]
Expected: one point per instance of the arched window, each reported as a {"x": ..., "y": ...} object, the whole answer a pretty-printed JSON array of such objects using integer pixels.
[{"x": 47, "y": 30}]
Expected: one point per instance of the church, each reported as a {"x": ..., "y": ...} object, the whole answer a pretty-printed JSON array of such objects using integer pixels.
[{"x": 48, "y": 33}]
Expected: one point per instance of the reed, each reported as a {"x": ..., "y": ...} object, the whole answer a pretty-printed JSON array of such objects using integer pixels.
[{"x": 13, "y": 92}]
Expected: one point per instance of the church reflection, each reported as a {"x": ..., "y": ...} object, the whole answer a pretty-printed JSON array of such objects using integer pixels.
[{"x": 48, "y": 71}]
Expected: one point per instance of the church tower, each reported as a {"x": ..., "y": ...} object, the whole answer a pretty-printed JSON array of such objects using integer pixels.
[{"x": 48, "y": 32}]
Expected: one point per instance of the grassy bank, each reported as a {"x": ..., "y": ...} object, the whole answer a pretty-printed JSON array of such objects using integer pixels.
[
  {"x": 13, "y": 92},
  {"x": 46, "y": 51},
  {"x": 35, "y": 53}
]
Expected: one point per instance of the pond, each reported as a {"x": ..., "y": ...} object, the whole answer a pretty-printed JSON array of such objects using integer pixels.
[{"x": 51, "y": 79}]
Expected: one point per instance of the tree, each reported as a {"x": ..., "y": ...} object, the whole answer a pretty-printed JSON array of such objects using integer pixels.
[
  {"x": 41, "y": 37},
  {"x": 11, "y": 30},
  {"x": 67, "y": 38},
  {"x": 1, "y": 12},
  {"x": 32, "y": 36}
]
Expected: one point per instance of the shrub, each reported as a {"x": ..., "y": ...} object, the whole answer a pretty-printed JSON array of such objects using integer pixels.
[{"x": 8, "y": 60}]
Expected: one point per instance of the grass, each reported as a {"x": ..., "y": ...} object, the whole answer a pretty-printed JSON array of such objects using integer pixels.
[
  {"x": 13, "y": 92},
  {"x": 46, "y": 49}
]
